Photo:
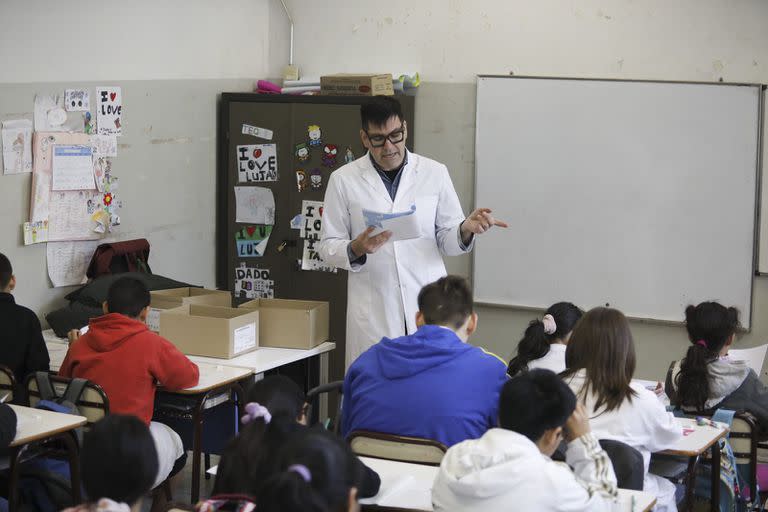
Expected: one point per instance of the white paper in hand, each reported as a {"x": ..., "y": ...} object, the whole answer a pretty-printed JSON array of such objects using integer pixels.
[{"x": 403, "y": 225}]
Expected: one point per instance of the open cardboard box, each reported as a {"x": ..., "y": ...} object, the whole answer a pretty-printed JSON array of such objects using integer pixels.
[
  {"x": 287, "y": 323},
  {"x": 211, "y": 331},
  {"x": 175, "y": 297}
]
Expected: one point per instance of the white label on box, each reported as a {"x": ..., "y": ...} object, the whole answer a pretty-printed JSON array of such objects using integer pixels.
[
  {"x": 245, "y": 338},
  {"x": 153, "y": 320}
]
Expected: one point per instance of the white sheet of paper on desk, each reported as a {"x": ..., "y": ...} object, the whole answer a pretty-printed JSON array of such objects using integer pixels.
[
  {"x": 244, "y": 338},
  {"x": 403, "y": 225},
  {"x": 17, "y": 146},
  {"x": 72, "y": 168},
  {"x": 68, "y": 261},
  {"x": 255, "y": 205},
  {"x": 754, "y": 357}
]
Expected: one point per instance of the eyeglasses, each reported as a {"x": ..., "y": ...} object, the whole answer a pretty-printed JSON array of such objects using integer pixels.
[{"x": 394, "y": 137}]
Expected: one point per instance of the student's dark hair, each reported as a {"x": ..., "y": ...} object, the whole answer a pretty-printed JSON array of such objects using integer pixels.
[
  {"x": 535, "y": 342},
  {"x": 280, "y": 395},
  {"x": 315, "y": 474},
  {"x": 118, "y": 459},
  {"x": 127, "y": 296},
  {"x": 378, "y": 110},
  {"x": 709, "y": 326},
  {"x": 6, "y": 270},
  {"x": 250, "y": 458},
  {"x": 534, "y": 402},
  {"x": 447, "y": 301},
  {"x": 602, "y": 344}
]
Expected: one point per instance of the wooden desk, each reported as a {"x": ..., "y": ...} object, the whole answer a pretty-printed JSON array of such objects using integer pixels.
[
  {"x": 408, "y": 487},
  {"x": 696, "y": 441},
  {"x": 34, "y": 425}
]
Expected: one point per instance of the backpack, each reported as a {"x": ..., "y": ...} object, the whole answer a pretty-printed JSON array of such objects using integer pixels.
[
  {"x": 732, "y": 481},
  {"x": 51, "y": 401},
  {"x": 44, "y": 483},
  {"x": 120, "y": 257}
]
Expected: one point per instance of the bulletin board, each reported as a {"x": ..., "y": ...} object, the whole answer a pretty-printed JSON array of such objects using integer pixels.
[{"x": 276, "y": 154}]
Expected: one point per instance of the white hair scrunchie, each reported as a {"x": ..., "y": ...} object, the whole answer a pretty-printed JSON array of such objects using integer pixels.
[{"x": 549, "y": 324}]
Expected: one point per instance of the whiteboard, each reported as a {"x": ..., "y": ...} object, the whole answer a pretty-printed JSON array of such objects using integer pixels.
[{"x": 640, "y": 195}]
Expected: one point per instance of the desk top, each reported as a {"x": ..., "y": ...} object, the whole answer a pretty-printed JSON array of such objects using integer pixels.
[
  {"x": 35, "y": 424},
  {"x": 696, "y": 439},
  {"x": 214, "y": 376},
  {"x": 258, "y": 361},
  {"x": 409, "y": 486},
  {"x": 211, "y": 375},
  {"x": 268, "y": 358}
]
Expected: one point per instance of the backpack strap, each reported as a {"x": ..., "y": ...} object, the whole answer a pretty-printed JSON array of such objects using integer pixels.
[
  {"x": 44, "y": 386},
  {"x": 74, "y": 389}
]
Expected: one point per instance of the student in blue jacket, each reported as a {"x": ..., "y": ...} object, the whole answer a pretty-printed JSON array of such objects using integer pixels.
[{"x": 430, "y": 384}]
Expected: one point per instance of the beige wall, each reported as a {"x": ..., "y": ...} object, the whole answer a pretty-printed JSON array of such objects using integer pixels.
[{"x": 450, "y": 42}]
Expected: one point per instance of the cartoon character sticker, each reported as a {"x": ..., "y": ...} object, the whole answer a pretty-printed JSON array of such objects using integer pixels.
[
  {"x": 302, "y": 183},
  {"x": 314, "y": 136},
  {"x": 329, "y": 155},
  {"x": 349, "y": 157},
  {"x": 316, "y": 179},
  {"x": 302, "y": 152}
]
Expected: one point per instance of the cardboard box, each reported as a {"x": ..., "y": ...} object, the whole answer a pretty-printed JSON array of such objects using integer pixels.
[
  {"x": 175, "y": 297},
  {"x": 291, "y": 323},
  {"x": 348, "y": 84},
  {"x": 211, "y": 331},
  {"x": 153, "y": 318}
]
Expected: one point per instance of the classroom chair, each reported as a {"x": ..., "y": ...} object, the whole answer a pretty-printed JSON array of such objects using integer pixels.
[
  {"x": 313, "y": 398},
  {"x": 398, "y": 448},
  {"x": 628, "y": 464},
  {"x": 7, "y": 384}
]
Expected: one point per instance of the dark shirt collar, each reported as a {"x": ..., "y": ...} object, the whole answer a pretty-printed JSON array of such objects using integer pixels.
[
  {"x": 7, "y": 297},
  {"x": 382, "y": 171}
]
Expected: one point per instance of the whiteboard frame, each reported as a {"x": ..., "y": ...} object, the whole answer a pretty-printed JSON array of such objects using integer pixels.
[{"x": 758, "y": 186}]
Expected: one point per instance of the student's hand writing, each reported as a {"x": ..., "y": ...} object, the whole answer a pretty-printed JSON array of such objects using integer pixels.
[
  {"x": 367, "y": 244},
  {"x": 73, "y": 335},
  {"x": 578, "y": 424},
  {"x": 659, "y": 389}
]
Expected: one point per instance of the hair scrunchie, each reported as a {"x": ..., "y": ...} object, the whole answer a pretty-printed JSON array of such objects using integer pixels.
[
  {"x": 702, "y": 343},
  {"x": 254, "y": 410},
  {"x": 549, "y": 324},
  {"x": 302, "y": 470}
]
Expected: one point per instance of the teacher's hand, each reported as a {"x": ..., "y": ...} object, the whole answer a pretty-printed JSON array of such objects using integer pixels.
[
  {"x": 367, "y": 244},
  {"x": 478, "y": 222}
]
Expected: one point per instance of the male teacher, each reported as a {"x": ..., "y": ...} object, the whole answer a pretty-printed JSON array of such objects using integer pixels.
[{"x": 385, "y": 276}]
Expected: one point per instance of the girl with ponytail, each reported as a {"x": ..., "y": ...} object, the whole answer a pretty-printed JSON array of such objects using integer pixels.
[
  {"x": 543, "y": 344},
  {"x": 707, "y": 378}
]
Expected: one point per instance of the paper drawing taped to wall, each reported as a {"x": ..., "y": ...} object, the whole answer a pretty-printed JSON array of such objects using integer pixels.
[
  {"x": 253, "y": 283},
  {"x": 251, "y": 241},
  {"x": 77, "y": 100},
  {"x": 312, "y": 212},
  {"x": 109, "y": 111},
  {"x": 257, "y": 163},
  {"x": 254, "y": 205}
]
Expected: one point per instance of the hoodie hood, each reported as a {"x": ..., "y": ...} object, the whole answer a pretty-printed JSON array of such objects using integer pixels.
[
  {"x": 428, "y": 347},
  {"x": 109, "y": 331},
  {"x": 725, "y": 377},
  {"x": 491, "y": 466}
]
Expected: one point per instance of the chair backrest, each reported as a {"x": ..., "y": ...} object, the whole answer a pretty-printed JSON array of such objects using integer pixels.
[
  {"x": 313, "y": 397},
  {"x": 627, "y": 463},
  {"x": 7, "y": 384},
  {"x": 93, "y": 403},
  {"x": 398, "y": 448}
]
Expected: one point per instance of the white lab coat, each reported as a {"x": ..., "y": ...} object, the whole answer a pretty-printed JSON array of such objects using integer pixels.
[{"x": 382, "y": 293}]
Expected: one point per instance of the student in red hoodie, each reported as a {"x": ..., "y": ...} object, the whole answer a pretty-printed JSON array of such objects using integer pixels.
[{"x": 125, "y": 358}]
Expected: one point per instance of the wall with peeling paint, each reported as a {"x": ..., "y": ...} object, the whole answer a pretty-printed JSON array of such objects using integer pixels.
[
  {"x": 139, "y": 40},
  {"x": 451, "y": 41},
  {"x": 172, "y": 59}
]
